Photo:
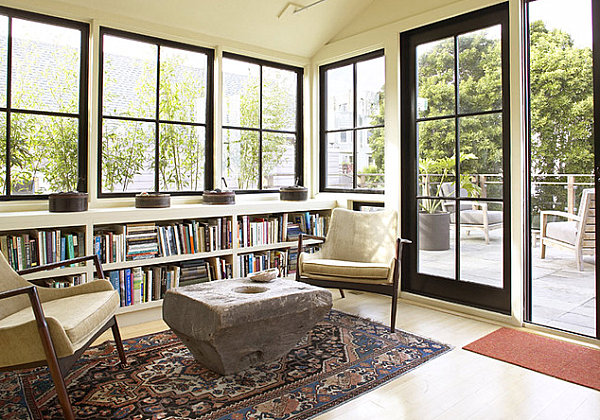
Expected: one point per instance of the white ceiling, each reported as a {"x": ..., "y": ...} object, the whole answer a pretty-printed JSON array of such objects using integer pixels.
[{"x": 254, "y": 22}]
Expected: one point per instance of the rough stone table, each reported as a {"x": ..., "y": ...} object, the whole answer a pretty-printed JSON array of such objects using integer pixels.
[{"x": 230, "y": 325}]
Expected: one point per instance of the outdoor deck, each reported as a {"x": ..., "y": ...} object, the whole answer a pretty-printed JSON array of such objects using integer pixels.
[{"x": 562, "y": 296}]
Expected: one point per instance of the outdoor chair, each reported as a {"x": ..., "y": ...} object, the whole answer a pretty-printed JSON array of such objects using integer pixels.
[
  {"x": 577, "y": 233},
  {"x": 473, "y": 215},
  {"x": 45, "y": 326},
  {"x": 360, "y": 252}
]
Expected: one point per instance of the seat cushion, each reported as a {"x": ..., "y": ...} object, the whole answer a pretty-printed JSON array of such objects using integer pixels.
[
  {"x": 80, "y": 315},
  {"x": 562, "y": 231},
  {"x": 475, "y": 217},
  {"x": 345, "y": 269}
]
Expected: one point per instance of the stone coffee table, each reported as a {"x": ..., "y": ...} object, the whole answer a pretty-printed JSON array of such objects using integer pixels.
[{"x": 229, "y": 325}]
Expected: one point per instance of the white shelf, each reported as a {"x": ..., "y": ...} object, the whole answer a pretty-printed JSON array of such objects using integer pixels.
[
  {"x": 165, "y": 260},
  {"x": 57, "y": 272},
  {"x": 277, "y": 245},
  {"x": 139, "y": 307}
]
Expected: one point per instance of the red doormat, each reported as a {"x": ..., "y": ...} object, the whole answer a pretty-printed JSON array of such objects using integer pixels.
[{"x": 570, "y": 362}]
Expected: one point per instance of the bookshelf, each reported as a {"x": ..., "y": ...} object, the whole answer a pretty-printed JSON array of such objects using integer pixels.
[{"x": 95, "y": 222}]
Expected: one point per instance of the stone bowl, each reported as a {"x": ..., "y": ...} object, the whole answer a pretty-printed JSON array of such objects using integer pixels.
[{"x": 264, "y": 276}]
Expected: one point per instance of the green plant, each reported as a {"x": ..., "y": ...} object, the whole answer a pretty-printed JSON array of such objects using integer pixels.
[{"x": 435, "y": 173}]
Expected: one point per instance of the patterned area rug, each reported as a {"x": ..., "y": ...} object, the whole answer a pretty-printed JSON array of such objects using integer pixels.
[{"x": 341, "y": 357}]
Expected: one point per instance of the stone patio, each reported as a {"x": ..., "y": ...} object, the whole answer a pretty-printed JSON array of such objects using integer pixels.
[{"x": 562, "y": 296}]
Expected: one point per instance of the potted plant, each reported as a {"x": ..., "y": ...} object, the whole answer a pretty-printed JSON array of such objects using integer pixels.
[{"x": 434, "y": 221}]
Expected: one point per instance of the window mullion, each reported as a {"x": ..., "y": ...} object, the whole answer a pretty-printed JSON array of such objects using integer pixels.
[
  {"x": 8, "y": 106},
  {"x": 157, "y": 123},
  {"x": 354, "y": 125},
  {"x": 260, "y": 125}
]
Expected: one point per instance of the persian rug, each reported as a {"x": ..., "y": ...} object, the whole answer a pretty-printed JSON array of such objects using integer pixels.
[
  {"x": 563, "y": 360},
  {"x": 340, "y": 358}
]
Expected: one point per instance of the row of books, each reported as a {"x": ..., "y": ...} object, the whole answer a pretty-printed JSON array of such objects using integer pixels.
[
  {"x": 148, "y": 240},
  {"x": 63, "y": 281},
  {"x": 199, "y": 271},
  {"x": 143, "y": 284},
  {"x": 40, "y": 247},
  {"x": 253, "y": 230},
  {"x": 258, "y": 261},
  {"x": 146, "y": 284},
  {"x": 193, "y": 236}
]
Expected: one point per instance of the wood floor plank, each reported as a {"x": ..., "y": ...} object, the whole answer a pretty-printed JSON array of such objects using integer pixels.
[{"x": 457, "y": 385}]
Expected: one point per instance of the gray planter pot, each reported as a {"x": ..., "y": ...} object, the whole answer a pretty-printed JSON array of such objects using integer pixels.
[{"x": 434, "y": 231}]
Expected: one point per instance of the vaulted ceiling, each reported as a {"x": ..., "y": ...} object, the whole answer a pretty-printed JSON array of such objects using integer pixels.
[
  {"x": 272, "y": 24},
  {"x": 267, "y": 23}
]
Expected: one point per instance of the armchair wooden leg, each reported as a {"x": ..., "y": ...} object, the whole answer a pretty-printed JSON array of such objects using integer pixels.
[
  {"x": 119, "y": 343},
  {"x": 394, "y": 310},
  {"x": 542, "y": 249},
  {"x": 50, "y": 352},
  {"x": 342, "y": 293}
]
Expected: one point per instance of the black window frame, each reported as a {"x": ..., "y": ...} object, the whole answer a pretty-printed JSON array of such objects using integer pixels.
[
  {"x": 323, "y": 131},
  {"x": 299, "y": 132},
  {"x": 81, "y": 115},
  {"x": 209, "y": 117}
]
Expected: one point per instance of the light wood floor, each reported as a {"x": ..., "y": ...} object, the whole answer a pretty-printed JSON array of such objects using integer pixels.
[{"x": 457, "y": 385}]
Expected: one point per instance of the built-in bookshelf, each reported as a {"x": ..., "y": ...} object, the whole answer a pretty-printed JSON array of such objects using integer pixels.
[{"x": 146, "y": 251}]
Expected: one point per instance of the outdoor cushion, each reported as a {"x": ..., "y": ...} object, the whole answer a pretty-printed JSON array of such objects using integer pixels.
[
  {"x": 325, "y": 268},
  {"x": 562, "y": 231},
  {"x": 475, "y": 217}
]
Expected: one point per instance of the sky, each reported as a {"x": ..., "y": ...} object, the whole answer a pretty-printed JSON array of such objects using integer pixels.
[{"x": 572, "y": 16}]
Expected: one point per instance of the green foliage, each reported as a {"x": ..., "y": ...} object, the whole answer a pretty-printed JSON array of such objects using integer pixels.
[
  {"x": 437, "y": 172},
  {"x": 43, "y": 146},
  {"x": 561, "y": 107},
  {"x": 241, "y": 153},
  {"x": 376, "y": 140}
]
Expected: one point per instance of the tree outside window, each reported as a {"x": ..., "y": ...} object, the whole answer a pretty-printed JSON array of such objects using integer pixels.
[
  {"x": 43, "y": 104},
  {"x": 261, "y": 137},
  {"x": 352, "y": 124},
  {"x": 156, "y": 116}
]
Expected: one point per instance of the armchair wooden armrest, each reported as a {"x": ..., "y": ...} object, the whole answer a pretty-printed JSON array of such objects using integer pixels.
[
  {"x": 59, "y": 264},
  {"x": 304, "y": 235},
  {"x": 544, "y": 215}
]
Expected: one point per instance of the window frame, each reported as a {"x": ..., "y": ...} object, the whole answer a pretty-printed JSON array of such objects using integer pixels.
[
  {"x": 157, "y": 121},
  {"x": 323, "y": 131},
  {"x": 81, "y": 115},
  {"x": 299, "y": 133}
]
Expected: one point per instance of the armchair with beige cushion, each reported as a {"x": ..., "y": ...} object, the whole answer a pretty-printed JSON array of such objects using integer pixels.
[
  {"x": 474, "y": 215},
  {"x": 361, "y": 252},
  {"x": 576, "y": 232},
  {"x": 44, "y": 326}
]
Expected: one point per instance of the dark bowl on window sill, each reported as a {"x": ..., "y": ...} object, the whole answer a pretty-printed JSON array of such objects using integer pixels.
[
  {"x": 152, "y": 201},
  {"x": 65, "y": 202},
  {"x": 293, "y": 193},
  {"x": 218, "y": 197}
]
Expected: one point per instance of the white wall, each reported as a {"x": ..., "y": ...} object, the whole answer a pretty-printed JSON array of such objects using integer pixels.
[{"x": 350, "y": 42}]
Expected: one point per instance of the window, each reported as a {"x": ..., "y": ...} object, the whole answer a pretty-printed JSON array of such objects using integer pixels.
[
  {"x": 352, "y": 121},
  {"x": 43, "y": 105},
  {"x": 156, "y": 115},
  {"x": 262, "y": 124}
]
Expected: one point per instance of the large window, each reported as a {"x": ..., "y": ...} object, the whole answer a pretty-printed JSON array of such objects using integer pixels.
[
  {"x": 156, "y": 115},
  {"x": 43, "y": 104},
  {"x": 262, "y": 124},
  {"x": 352, "y": 118}
]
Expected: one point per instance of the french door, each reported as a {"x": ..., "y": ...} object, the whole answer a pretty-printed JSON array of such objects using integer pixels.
[
  {"x": 455, "y": 159},
  {"x": 563, "y": 70}
]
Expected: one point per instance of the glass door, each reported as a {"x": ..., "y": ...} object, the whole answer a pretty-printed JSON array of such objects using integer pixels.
[
  {"x": 455, "y": 175},
  {"x": 562, "y": 287}
]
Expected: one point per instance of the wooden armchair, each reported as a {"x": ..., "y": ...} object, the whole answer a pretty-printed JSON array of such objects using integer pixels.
[
  {"x": 576, "y": 233},
  {"x": 473, "y": 215},
  {"x": 43, "y": 326},
  {"x": 361, "y": 252}
]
